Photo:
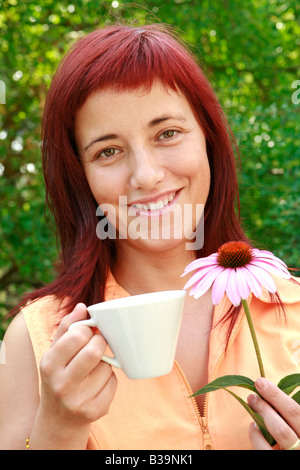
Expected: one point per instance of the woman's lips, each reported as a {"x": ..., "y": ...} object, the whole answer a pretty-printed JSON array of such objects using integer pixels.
[{"x": 155, "y": 208}]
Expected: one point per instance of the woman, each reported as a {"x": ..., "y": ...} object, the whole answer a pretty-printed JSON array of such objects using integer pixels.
[{"x": 132, "y": 124}]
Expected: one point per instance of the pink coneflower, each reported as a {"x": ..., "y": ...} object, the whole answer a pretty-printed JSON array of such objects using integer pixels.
[{"x": 236, "y": 269}]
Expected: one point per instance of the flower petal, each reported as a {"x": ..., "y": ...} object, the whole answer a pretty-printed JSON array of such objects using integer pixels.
[
  {"x": 263, "y": 253},
  {"x": 232, "y": 289},
  {"x": 205, "y": 283},
  {"x": 219, "y": 287},
  {"x": 263, "y": 277},
  {"x": 198, "y": 276},
  {"x": 210, "y": 260},
  {"x": 270, "y": 267},
  {"x": 252, "y": 282},
  {"x": 267, "y": 255},
  {"x": 242, "y": 285}
]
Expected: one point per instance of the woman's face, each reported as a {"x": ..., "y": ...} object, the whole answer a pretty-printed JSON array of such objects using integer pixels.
[{"x": 144, "y": 156}]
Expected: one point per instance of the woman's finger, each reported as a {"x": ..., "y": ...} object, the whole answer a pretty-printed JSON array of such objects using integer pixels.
[
  {"x": 275, "y": 420},
  {"x": 283, "y": 404},
  {"x": 79, "y": 313},
  {"x": 257, "y": 439},
  {"x": 277, "y": 427},
  {"x": 66, "y": 344},
  {"x": 102, "y": 401},
  {"x": 87, "y": 358}
]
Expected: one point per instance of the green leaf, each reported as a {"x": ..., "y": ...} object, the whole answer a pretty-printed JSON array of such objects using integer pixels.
[
  {"x": 296, "y": 397},
  {"x": 257, "y": 418},
  {"x": 289, "y": 383},
  {"x": 227, "y": 381}
]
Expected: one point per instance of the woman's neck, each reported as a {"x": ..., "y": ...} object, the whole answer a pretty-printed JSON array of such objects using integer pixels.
[{"x": 140, "y": 271}]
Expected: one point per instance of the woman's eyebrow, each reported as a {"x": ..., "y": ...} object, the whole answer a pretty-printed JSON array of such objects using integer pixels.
[
  {"x": 101, "y": 139},
  {"x": 165, "y": 117},
  {"x": 152, "y": 123}
]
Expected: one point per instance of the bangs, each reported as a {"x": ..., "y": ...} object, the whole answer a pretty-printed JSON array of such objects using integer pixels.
[{"x": 128, "y": 58}]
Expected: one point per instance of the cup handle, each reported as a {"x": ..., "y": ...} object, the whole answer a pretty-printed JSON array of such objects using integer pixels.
[
  {"x": 89, "y": 322},
  {"x": 113, "y": 361}
]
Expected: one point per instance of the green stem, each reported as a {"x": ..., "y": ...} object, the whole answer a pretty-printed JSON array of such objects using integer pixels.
[{"x": 254, "y": 339}]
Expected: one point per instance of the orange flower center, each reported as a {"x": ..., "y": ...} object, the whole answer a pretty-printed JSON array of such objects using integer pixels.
[{"x": 234, "y": 255}]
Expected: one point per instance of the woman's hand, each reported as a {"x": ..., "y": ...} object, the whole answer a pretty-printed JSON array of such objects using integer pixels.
[
  {"x": 77, "y": 387},
  {"x": 74, "y": 379},
  {"x": 281, "y": 415}
]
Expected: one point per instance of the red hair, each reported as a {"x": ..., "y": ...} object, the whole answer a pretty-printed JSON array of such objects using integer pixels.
[{"x": 125, "y": 58}]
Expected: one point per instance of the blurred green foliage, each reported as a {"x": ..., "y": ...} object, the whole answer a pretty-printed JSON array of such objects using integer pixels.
[{"x": 250, "y": 51}]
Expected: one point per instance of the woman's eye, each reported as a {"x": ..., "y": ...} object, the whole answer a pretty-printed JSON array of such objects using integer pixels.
[
  {"x": 168, "y": 134},
  {"x": 107, "y": 153}
]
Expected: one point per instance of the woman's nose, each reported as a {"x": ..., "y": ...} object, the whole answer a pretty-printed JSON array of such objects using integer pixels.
[{"x": 146, "y": 170}]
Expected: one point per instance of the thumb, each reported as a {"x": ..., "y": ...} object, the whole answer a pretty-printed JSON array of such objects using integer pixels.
[{"x": 79, "y": 313}]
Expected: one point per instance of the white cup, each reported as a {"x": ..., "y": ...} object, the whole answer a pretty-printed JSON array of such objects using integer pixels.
[{"x": 141, "y": 331}]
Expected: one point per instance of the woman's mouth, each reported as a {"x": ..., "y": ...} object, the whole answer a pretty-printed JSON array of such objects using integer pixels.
[{"x": 157, "y": 207}]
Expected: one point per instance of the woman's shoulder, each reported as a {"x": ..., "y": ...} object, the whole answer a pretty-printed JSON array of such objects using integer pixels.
[
  {"x": 19, "y": 395},
  {"x": 47, "y": 309},
  {"x": 16, "y": 344},
  {"x": 47, "y": 301},
  {"x": 42, "y": 317},
  {"x": 16, "y": 333}
]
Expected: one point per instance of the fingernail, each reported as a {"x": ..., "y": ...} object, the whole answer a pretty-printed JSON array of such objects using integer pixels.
[
  {"x": 253, "y": 426},
  {"x": 79, "y": 305},
  {"x": 252, "y": 399},
  {"x": 261, "y": 383}
]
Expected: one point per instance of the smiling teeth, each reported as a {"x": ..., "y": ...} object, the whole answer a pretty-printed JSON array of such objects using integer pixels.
[{"x": 154, "y": 207}]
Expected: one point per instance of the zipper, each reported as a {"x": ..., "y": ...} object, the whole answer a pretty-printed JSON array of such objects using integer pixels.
[
  {"x": 207, "y": 443},
  {"x": 203, "y": 420}
]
